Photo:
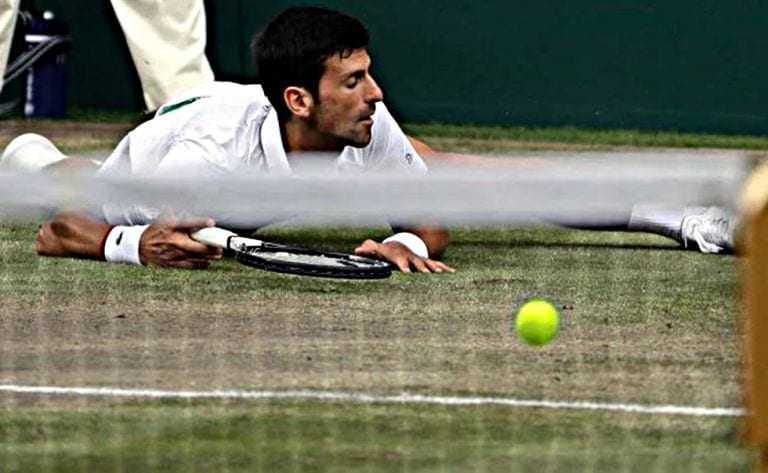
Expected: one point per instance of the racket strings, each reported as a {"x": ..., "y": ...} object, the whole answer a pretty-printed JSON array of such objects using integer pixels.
[{"x": 308, "y": 257}]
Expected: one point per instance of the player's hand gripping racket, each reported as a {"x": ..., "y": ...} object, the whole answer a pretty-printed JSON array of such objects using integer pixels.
[{"x": 293, "y": 260}]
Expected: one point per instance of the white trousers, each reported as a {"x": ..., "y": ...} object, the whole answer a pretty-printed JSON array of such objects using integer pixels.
[
  {"x": 167, "y": 43},
  {"x": 166, "y": 39},
  {"x": 8, "y": 12}
]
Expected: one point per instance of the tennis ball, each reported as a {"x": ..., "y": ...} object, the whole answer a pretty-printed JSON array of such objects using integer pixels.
[{"x": 537, "y": 322}]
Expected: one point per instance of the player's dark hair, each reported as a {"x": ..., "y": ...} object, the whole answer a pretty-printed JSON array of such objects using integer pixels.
[{"x": 292, "y": 49}]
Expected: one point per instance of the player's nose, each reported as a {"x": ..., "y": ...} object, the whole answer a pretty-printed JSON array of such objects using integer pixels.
[{"x": 374, "y": 93}]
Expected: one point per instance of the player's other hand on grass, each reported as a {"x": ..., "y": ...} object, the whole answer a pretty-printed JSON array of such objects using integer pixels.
[
  {"x": 167, "y": 244},
  {"x": 402, "y": 257}
]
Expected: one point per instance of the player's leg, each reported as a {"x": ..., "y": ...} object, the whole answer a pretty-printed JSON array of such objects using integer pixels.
[
  {"x": 167, "y": 43},
  {"x": 33, "y": 153},
  {"x": 9, "y": 10},
  {"x": 706, "y": 229}
]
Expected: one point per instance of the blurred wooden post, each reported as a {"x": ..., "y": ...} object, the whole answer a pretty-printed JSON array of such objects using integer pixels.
[{"x": 754, "y": 208}]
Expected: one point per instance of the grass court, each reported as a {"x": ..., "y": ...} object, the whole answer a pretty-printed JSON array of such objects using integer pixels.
[{"x": 642, "y": 323}]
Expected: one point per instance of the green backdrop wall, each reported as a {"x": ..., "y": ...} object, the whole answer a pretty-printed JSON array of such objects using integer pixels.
[{"x": 683, "y": 65}]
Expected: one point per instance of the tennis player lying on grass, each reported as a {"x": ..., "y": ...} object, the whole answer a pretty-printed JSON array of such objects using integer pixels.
[{"x": 316, "y": 95}]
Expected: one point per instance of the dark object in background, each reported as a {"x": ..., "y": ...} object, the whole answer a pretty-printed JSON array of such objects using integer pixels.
[
  {"x": 47, "y": 43},
  {"x": 44, "y": 63}
]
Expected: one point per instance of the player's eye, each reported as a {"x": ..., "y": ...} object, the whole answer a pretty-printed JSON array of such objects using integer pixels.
[{"x": 354, "y": 80}]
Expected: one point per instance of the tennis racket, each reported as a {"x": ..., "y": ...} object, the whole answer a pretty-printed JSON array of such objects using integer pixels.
[{"x": 291, "y": 259}]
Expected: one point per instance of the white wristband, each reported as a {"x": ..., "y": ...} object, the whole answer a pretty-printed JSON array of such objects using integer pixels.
[
  {"x": 412, "y": 242},
  {"x": 122, "y": 244}
]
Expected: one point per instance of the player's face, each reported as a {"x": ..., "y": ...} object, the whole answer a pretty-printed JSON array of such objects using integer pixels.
[{"x": 348, "y": 95}]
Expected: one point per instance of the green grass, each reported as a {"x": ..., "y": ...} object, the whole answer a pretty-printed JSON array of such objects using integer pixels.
[
  {"x": 642, "y": 322},
  {"x": 178, "y": 437},
  {"x": 76, "y": 114},
  {"x": 457, "y": 134},
  {"x": 460, "y": 138}
]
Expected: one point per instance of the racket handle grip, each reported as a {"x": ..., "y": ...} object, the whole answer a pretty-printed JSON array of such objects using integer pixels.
[{"x": 213, "y": 236}]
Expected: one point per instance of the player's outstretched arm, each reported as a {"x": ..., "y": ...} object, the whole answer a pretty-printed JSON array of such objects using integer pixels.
[
  {"x": 416, "y": 247},
  {"x": 72, "y": 234},
  {"x": 413, "y": 248},
  {"x": 165, "y": 244},
  {"x": 435, "y": 238}
]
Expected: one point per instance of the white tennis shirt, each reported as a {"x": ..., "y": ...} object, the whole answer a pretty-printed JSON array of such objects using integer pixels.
[{"x": 227, "y": 129}]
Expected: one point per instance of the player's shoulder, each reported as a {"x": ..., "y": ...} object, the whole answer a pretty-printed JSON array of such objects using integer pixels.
[
  {"x": 250, "y": 92},
  {"x": 220, "y": 108},
  {"x": 217, "y": 94},
  {"x": 221, "y": 118}
]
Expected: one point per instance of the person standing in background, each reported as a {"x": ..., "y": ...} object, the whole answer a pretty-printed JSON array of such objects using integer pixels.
[{"x": 166, "y": 40}]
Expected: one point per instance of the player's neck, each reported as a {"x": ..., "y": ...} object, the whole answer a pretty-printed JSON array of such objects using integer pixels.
[{"x": 299, "y": 136}]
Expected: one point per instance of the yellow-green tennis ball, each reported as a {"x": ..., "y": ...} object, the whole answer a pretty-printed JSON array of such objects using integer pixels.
[{"x": 537, "y": 322}]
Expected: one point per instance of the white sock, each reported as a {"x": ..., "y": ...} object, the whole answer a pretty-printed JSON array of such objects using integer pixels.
[{"x": 655, "y": 219}]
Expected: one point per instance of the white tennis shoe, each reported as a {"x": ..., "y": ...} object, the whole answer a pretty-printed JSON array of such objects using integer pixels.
[
  {"x": 29, "y": 153},
  {"x": 710, "y": 229}
]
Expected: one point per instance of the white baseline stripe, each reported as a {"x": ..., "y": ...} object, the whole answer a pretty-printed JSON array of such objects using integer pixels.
[{"x": 366, "y": 398}]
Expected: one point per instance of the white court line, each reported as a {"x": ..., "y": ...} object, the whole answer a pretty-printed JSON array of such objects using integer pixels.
[{"x": 365, "y": 398}]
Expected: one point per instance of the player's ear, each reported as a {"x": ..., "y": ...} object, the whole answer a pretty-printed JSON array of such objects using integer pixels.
[{"x": 299, "y": 101}]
